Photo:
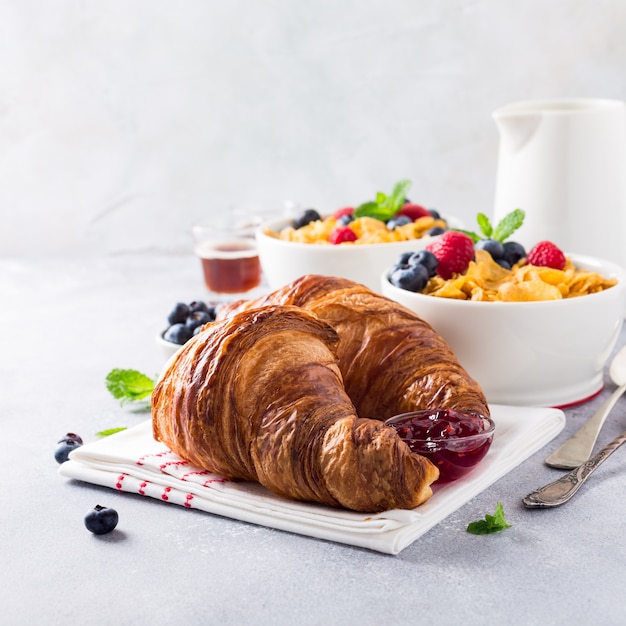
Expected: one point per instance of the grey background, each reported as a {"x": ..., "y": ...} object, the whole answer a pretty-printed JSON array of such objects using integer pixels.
[{"x": 121, "y": 123}]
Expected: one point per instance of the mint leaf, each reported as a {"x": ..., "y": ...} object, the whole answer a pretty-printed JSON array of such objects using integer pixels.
[
  {"x": 505, "y": 228},
  {"x": 398, "y": 196},
  {"x": 370, "y": 209},
  {"x": 508, "y": 225},
  {"x": 128, "y": 385},
  {"x": 473, "y": 236},
  {"x": 491, "y": 524},
  {"x": 385, "y": 206},
  {"x": 110, "y": 431},
  {"x": 485, "y": 225}
]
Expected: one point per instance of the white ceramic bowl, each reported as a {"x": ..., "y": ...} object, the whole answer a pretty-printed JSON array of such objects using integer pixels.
[
  {"x": 548, "y": 353},
  {"x": 285, "y": 261},
  {"x": 167, "y": 347}
]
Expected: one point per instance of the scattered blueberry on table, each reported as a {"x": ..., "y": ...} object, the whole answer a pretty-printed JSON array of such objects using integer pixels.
[
  {"x": 101, "y": 520},
  {"x": 66, "y": 444}
]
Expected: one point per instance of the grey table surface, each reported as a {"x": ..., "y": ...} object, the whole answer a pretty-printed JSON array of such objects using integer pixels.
[{"x": 65, "y": 323}]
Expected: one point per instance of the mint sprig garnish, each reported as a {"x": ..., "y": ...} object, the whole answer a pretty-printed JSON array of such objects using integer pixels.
[
  {"x": 110, "y": 431},
  {"x": 503, "y": 230},
  {"x": 129, "y": 385},
  {"x": 508, "y": 225},
  {"x": 484, "y": 224},
  {"x": 491, "y": 524},
  {"x": 384, "y": 207}
]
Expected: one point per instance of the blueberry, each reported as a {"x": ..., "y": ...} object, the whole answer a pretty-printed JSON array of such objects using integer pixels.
[
  {"x": 495, "y": 248},
  {"x": 72, "y": 437},
  {"x": 403, "y": 259},
  {"x": 204, "y": 307},
  {"x": 425, "y": 258},
  {"x": 513, "y": 252},
  {"x": 177, "y": 333},
  {"x": 178, "y": 314},
  {"x": 101, "y": 520},
  {"x": 399, "y": 220},
  {"x": 197, "y": 319},
  {"x": 344, "y": 220},
  {"x": 198, "y": 305},
  {"x": 435, "y": 230},
  {"x": 62, "y": 453},
  {"x": 503, "y": 263},
  {"x": 412, "y": 278},
  {"x": 435, "y": 214},
  {"x": 308, "y": 216}
]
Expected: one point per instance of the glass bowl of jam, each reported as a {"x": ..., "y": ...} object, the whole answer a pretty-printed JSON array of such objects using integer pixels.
[{"x": 454, "y": 441}]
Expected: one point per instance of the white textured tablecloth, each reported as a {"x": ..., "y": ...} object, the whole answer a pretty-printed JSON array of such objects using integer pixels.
[{"x": 132, "y": 461}]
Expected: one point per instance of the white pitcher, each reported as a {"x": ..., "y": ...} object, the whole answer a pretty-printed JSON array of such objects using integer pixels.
[{"x": 564, "y": 163}]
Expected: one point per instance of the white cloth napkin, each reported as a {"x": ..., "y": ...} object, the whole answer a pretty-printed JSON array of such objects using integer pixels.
[{"x": 132, "y": 461}]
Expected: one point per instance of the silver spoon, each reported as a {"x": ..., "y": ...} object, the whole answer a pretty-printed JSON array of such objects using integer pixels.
[{"x": 577, "y": 449}]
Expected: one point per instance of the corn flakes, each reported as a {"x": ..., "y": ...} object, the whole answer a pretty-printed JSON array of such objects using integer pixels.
[
  {"x": 486, "y": 281},
  {"x": 367, "y": 230}
]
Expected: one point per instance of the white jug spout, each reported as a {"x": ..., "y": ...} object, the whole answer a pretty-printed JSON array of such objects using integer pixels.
[
  {"x": 516, "y": 128},
  {"x": 558, "y": 160}
]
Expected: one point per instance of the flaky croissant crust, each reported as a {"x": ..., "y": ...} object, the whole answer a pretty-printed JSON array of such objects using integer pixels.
[
  {"x": 392, "y": 361},
  {"x": 260, "y": 396}
]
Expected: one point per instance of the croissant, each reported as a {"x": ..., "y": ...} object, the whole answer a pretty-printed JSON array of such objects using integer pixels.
[
  {"x": 259, "y": 396},
  {"x": 391, "y": 360}
]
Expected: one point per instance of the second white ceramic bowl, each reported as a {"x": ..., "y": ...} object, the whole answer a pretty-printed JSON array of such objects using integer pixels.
[{"x": 549, "y": 353}]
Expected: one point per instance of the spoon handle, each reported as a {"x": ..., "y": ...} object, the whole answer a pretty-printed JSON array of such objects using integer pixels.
[
  {"x": 562, "y": 489},
  {"x": 577, "y": 449}
]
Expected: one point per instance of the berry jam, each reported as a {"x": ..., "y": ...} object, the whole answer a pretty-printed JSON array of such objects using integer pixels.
[{"x": 452, "y": 440}]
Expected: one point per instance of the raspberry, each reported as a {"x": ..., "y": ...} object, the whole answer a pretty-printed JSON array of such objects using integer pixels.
[
  {"x": 454, "y": 251},
  {"x": 414, "y": 211},
  {"x": 345, "y": 211},
  {"x": 546, "y": 254},
  {"x": 339, "y": 235}
]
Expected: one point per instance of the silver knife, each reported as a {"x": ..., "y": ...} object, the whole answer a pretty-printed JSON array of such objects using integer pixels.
[{"x": 577, "y": 449}]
